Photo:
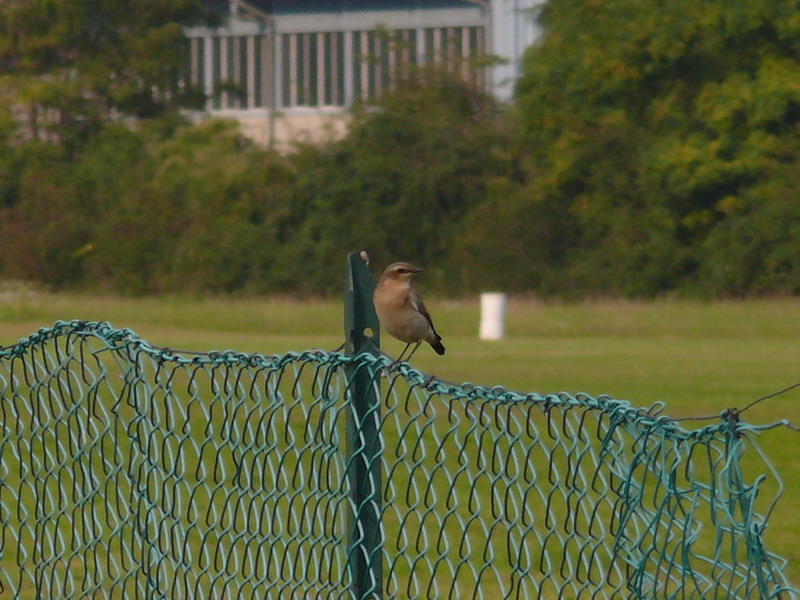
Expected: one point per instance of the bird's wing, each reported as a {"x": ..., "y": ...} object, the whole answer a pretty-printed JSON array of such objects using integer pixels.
[{"x": 419, "y": 306}]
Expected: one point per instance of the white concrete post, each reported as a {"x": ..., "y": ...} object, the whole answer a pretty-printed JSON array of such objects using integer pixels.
[{"x": 493, "y": 316}]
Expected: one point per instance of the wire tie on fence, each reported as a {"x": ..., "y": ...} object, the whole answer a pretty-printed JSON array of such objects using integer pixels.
[
  {"x": 772, "y": 395},
  {"x": 725, "y": 413},
  {"x": 428, "y": 382}
]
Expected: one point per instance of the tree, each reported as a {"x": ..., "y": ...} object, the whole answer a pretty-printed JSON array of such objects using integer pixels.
[
  {"x": 196, "y": 209},
  {"x": 656, "y": 123},
  {"x": 399, "y": 185},
  {"x": 69, "y": 66}
]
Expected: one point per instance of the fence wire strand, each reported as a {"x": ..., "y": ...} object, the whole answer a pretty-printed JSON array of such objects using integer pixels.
[{"x": 133, "y": 471}]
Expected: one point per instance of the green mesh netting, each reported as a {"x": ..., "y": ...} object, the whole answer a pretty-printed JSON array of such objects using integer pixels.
[{"x": 134, "y": 472}]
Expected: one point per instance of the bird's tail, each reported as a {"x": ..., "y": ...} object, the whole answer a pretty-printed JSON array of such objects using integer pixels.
[{"x": 436, "y": 342}]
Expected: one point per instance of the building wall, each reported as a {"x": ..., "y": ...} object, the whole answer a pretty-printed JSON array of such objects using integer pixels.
[
  {"x": 514, "y": 28},
  {"x": 291, "y": 72},
  {"x": 281, "y": 129}
]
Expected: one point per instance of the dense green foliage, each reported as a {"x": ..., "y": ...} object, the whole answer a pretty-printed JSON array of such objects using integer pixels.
[
  {"x": 399, "y": 185},
  {"x": 171, "y": 206},
  {"x": 88, "y": 61},
  {"x": 141, "y": 211},
  {"x": 670, "y": 129},
  {"x": 653, "y": 148}
]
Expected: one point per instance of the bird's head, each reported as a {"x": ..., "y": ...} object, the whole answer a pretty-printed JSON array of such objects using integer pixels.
[{"x": 400, "y": 271}]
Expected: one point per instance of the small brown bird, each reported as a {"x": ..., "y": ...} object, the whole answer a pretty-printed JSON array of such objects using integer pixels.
[{"x": 402, "y": 311}]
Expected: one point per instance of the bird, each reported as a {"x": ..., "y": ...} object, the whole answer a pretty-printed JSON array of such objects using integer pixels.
[{"x": 402, "y": 312}]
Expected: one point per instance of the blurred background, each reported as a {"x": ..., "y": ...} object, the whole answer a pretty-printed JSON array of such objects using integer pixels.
[{"x": 567, "y": 149}]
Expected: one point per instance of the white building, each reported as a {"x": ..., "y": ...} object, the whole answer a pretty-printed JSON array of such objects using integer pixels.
[{"x": 286, "y": 69}]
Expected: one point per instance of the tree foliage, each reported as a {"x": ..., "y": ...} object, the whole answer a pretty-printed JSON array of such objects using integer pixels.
[
  {"x": 69, "y": 66},
  {"x": 196, "y": 211},
  {"x": 400, "y": 183},
  {"x": 665, "y": 127},
  {"x": 200, "y": 208}
]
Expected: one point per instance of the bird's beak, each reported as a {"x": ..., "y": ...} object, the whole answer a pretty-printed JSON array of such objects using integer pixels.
[{"x": 418, "y": 270}]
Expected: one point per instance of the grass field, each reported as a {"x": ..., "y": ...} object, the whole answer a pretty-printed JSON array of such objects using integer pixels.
[{"x": 697, "y": 358}]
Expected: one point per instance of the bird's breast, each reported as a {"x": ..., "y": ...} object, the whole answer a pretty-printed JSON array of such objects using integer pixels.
[{"x": 398, "y": 316}]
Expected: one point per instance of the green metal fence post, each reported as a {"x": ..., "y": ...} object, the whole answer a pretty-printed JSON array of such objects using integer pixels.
[{"x": 361, "y": 328}]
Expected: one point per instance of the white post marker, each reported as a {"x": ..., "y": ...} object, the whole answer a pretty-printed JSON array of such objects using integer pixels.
[{"x": 493, "y": 316}]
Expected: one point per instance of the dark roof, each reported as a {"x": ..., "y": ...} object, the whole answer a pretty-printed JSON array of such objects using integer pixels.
[{"x": 308, "y": 6}]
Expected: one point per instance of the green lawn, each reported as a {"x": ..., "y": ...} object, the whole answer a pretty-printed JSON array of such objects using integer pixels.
[{"x": 697, "y": 358}]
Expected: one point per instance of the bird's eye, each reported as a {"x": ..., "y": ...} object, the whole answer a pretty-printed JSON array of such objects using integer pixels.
[{"x": 402, "y": 270}]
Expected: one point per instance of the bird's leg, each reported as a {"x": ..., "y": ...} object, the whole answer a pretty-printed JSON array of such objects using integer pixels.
[
  {"x": 408, "y": 358},
  {"x": 399, "y": 359}
]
